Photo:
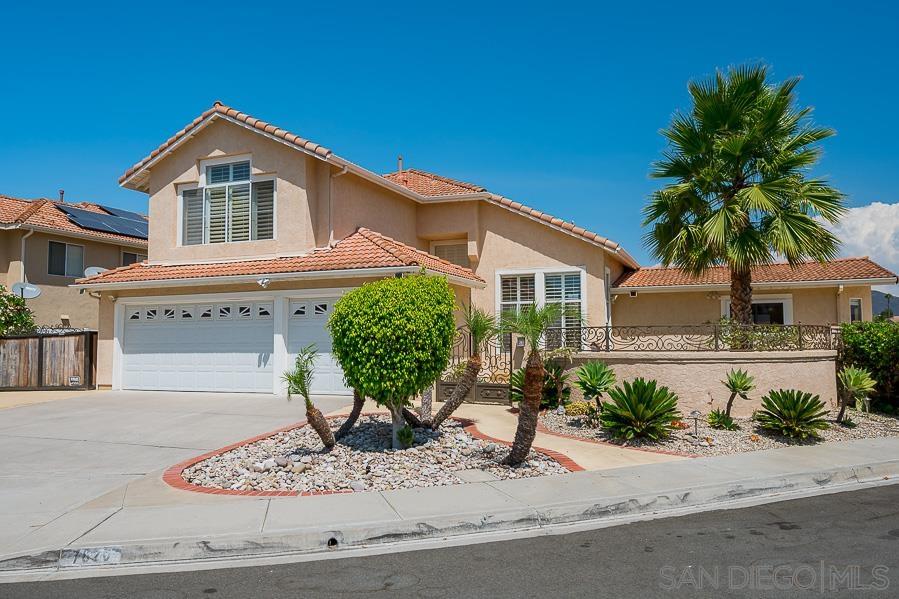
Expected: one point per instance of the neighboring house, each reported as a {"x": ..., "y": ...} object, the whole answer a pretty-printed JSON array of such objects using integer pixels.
[
  {"x": 45, "y": 243},
  {"x": 255, "y": 232}
]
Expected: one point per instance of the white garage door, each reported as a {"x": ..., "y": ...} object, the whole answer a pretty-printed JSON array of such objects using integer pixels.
[
  {"x": 199, "y": 347},
  {"x": 306, "y": 323}
]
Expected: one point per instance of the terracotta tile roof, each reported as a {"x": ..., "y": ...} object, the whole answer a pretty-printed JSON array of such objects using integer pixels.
[
  {"x": 364, "y": 249},
  {"x": 431, "y": 185},
  {"x": 45, "y": 214},
  {"x": 220, "y": 109},
  {"x": 422, "y": 184},
  {"x": 843, "y": 269}
]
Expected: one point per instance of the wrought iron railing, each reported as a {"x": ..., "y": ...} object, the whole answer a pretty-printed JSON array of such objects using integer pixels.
[
  {"x": 496, "y": 358},
  {"x": 705, "y": 337}
]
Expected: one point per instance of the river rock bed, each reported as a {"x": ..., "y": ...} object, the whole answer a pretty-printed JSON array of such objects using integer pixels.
[
  {"x": 711, "y": 441},
  {"x": 296, "y": 460}
]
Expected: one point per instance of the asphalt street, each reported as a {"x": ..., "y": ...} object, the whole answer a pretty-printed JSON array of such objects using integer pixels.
[{"x": 841, "y": 545}]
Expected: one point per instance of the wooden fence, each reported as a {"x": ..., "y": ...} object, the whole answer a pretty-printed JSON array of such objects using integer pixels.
[{"x": 48, "y": 360}]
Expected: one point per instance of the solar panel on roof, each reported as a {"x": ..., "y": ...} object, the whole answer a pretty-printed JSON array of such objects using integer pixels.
[
  {"x": 124, "y": 213},
  {"x": 106, "y": 222}
]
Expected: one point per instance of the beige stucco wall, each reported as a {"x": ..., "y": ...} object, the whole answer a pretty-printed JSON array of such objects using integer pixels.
[
  {"x": 57, "y": 298},
  {"x": 106, "y": 310},
  {"x": 696, "y": 376},
  {"x": 811, "y": 305},
  {"x": 294, "y": 225}
]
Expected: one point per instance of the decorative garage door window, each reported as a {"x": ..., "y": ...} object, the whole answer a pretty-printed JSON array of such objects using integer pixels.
[
  {"x": 204, "y": 312},
  {"x": 307, "y": 309}
]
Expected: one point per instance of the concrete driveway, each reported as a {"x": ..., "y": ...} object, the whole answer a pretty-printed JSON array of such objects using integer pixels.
[{"x": 60, "y": 455}]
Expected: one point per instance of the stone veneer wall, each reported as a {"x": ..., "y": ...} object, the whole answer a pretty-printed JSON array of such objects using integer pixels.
[{"x": 696, "y": 376}]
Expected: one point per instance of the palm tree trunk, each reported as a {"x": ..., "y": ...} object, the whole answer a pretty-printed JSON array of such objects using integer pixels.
[
  {"x": 730, "y": 403},
  {"x": 462, "y": 388},
  {"x": 319, "y": 423},
  {"x": 844, "y": 399},
  {"x": 358, "y": 402},
  {"x": 741, "y": 296},
  {"x": 427, "y": 403},
  {"x": 528, "y": 410}
]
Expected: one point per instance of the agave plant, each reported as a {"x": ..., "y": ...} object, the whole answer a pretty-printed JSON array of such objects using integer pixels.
[
  {"x": 482, "y": 328},
  {"x": 299, "y": 381},
  {"x": 722, "y": 421},
  {"x": 857, "y": 384},
  {"x": 594, "y": 379},
  {"x": 738, "y": 382},
  {"x": 640, "y": 409},
  {"x": 791, "y": 413}
]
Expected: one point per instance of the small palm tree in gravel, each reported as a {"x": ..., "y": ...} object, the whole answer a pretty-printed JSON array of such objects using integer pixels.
[
  {"x": 738, "y": 382},
  {"x": 299, "y": 381},
  {"x": 482, "y": 328},
  {"x": 857, "y": 384}
]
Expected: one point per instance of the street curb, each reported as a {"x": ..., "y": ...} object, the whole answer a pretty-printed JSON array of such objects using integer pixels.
[{"x": 400, "y": 534}]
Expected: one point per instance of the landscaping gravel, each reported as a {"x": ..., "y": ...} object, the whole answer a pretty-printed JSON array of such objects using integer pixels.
[
  {"x": 295, "y": 460},
  {"x": 750, "y": 437}
]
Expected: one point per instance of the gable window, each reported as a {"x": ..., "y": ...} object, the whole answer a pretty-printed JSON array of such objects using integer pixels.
[
  {"x": 452, "y": 251},
  {"x": 65, "y": 259},
  {"x": 231, "y": 207},
  {"x": 132, "y": 257},
  {"x": 855, "y": 309}
]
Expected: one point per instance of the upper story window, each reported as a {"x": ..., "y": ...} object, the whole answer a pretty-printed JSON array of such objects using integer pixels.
[
  {"x": 132, "y": 257},
  {"x": 230, "y": 207},
  {"x": 452, "y": 251},
  {"x": 65, "y": 259}
]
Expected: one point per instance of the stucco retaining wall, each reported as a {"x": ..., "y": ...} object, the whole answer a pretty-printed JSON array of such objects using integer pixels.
[{"x": 696, "y": 376}]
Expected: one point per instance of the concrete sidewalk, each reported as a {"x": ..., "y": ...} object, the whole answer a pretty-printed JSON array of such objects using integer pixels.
[{"x": 115, "y": 533}]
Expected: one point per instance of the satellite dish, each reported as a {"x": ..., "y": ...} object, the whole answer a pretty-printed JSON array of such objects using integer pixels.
[
  {"x": 26, "y": 290},
  {"x": 92, "y": 271}
]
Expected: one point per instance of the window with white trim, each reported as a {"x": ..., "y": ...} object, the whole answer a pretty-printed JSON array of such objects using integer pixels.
[
  {"x": 855, "y": 309},
  {"x": 132, "y": 257},
  {"x": 65, "y": 259},
  {"x": 765, "y": 309},
  {"x": 564, "y": 289},
  {"x": 231, "y": 207}
]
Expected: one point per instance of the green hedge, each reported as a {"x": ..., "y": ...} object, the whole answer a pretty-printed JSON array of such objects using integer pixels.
[{"x": 874, "y": 346}]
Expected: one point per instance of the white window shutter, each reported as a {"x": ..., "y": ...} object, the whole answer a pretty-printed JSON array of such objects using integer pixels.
[
  {"x": 263, "y": 210},
  {"x": 192, "y": 228},
  {"x": 240, "y": 212},
  {"x": 217, "y": 202}
]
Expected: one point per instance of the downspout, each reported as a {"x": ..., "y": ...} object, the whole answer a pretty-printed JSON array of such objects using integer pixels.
[
  {"x": 331, "y": 178},
  {"x": 30, "y": 232}
]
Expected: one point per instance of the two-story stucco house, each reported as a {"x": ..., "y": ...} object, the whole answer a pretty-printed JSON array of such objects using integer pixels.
[
  {"x": 42, "y": 243},
  {"x": 255, "y": 232}
]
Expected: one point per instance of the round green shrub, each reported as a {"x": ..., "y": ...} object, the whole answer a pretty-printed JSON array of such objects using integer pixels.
[{"x": 393, "y": 338}]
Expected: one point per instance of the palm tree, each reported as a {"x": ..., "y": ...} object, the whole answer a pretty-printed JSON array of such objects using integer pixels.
[
  {"x": 531, "y": 323},
  {"x": 358, "y": 403},
  {"x": 299, "y": 381},
  {"x": 888, "y": 297},
  {"x": 857, "y": 384},
  {"x": 741, "y": 195},
  {"x": 482, "y": 328}
]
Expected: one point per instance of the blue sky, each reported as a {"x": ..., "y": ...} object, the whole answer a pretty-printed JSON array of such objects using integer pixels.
[{"x": 557, "y": 106}]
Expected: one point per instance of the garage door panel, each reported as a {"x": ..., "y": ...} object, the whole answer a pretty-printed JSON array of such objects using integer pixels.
[
  {"x": 307, "y": 323},
  {"x": 195, "y": 354}
]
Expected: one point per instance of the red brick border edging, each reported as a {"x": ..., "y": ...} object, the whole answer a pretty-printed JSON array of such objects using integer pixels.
[
  {"x": 541, "y": 428},
  {"x": 173, "y": 475}
]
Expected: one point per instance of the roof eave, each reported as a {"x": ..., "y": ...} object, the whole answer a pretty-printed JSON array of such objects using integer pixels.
[
  {"x": 764, "y": 285},
  {"x": 288, "y": 276}
]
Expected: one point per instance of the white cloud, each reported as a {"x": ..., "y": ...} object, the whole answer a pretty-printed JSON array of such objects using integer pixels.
[{"x": 872, "y": 230}]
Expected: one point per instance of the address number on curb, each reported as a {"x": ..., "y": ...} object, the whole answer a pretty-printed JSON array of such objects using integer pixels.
[{"x": 95, "y": 556}]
